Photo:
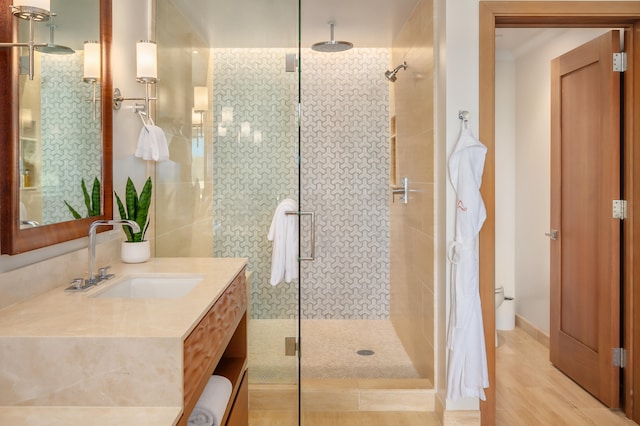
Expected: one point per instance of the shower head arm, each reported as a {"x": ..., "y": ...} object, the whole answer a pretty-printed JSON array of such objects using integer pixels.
[{"x": 402, "y": 65}]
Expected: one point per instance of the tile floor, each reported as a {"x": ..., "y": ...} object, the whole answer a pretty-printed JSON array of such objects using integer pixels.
[
  {"x": 530, "y": 391},
  {"x": 329, "y": 350}
]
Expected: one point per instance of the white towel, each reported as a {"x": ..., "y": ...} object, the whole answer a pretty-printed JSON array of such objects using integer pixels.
[
  {"x": 152, "y": 144},
  {"x": 284, "y": 234},
  {"x": 211, "y": 405}
]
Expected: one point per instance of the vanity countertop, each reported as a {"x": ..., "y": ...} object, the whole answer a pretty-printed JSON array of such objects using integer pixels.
[
  {"x": 61, "y": 314},
  {"x": 66, "y": 354}
]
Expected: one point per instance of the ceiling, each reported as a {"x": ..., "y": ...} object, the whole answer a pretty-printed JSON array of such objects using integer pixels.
[{"x": 273, "y": 23}]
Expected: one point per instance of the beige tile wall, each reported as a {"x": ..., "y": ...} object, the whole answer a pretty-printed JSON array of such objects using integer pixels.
[{"x": 412, "y": 224}]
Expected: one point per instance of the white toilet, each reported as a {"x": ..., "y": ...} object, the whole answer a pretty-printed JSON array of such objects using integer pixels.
[{"x": 499, "y": 299}]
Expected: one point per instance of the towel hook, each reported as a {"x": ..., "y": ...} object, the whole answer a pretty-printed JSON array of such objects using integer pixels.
[
  {"x": 142, "y": 116},
  {"x": 464, "y": 116}
]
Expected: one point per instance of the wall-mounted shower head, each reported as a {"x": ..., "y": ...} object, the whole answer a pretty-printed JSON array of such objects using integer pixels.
[
  {"x": 391, "y": 75},
  {"x": 332, "y": 45}
]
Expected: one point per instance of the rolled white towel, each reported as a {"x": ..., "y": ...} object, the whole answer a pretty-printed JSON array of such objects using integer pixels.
[{"x": 212, "y": 404}]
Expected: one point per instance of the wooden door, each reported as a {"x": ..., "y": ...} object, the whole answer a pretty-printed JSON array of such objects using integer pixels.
[{"x": 585, "y": 179}]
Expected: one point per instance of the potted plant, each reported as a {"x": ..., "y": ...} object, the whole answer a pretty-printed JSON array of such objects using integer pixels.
[
  {"x": 135, "y": 248},
  {"x": 91, "y": 201}
]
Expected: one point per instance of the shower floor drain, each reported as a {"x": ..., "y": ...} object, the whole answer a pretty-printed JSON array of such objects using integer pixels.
[{"x": 365, "y": 352}]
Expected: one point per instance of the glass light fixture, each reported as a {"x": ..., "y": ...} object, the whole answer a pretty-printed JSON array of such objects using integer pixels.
[
  {"x": 227, "y": 115},
  {"x": 91, "y": 72},
  {"x": 37, "y": 10},
  {"x": 146, "y": 61},
  {"x": 91, "y": 61},
  {"x": 200, "y": 98},
  {"x": 146, "y": 73},
  {"x": 200, "y": 106}
]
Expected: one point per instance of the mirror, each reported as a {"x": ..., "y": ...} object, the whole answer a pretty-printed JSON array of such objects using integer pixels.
[{"x": 52, "y": 136}]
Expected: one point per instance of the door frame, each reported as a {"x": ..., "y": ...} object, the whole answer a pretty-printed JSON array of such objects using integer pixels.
[{"x": 565, "y": 14}]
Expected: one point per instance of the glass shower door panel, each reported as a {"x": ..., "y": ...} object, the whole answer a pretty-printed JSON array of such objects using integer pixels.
[{"x": 234, "y": 159}]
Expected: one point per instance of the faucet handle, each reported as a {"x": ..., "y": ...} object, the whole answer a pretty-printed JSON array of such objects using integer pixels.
[
  {"x": 103, "y": 273},
  {"x": 78, "y": 284}
]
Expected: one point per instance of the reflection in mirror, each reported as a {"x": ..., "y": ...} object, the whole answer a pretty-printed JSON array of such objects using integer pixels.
[
  {"x": 57, "y": 135},
  {"x": 60, "y": 141}
]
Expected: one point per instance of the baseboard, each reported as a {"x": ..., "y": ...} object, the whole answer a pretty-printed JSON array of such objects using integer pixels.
[
  {"x": 533, "y": 331},
  {"x": 345, "y": 395}
]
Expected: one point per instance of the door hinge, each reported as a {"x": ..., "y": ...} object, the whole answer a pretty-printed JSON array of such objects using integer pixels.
[
  {"x": 620, "y": 62},
  {"x": 619, "y": 357},
  {"x": 619, "y": 209},
  {"x": 290, "y": 346}
]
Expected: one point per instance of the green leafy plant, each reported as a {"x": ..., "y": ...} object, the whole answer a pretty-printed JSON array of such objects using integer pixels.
[
  {"x": 137, "y": 209},
  {"x": 91, "y": 201}
]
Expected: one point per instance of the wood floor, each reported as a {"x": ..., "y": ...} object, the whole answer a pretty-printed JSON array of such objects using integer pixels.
[{"x": 530, "y": 392}]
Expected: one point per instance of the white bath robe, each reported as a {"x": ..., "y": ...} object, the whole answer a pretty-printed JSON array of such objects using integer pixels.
[
  {"x": 284, "y": 234},
  {"x": 467, "y": 374}
]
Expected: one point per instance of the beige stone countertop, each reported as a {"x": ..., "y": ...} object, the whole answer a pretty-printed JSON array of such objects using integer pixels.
[
  {"x": 61, "y": 314},
  {"x": 94, "y": 416},
  {"x": 72, "y": 359}
]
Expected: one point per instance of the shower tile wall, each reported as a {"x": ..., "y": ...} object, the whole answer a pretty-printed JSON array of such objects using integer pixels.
[
  {"x": 254, "y": 164},
  {"x": 71, "y": 138},
  {"x": 345, "y": 180},
  {"x": 344, "y": 175}
]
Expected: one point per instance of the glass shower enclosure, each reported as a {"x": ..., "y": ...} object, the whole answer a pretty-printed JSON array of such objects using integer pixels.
[{"x": 253, "y": 119}]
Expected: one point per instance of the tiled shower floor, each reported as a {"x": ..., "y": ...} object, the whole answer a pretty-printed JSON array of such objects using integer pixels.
[{"x": 329, "y": 350}]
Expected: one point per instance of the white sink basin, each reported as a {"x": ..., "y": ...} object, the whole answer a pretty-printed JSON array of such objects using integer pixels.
[{"x": 165, "y": 286}]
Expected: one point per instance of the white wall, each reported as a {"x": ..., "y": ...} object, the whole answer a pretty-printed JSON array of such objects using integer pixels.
[
  {"x": 505, "y": 137},
  {"x": 458, "y": 78},
  {"x": 25, "y": 275},
  {"x": 130, "y": 24},
  {"x": 523, "y": 171}
]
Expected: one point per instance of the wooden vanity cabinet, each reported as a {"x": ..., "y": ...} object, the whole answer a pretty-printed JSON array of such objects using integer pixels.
[{"x": 218, "y": 345}]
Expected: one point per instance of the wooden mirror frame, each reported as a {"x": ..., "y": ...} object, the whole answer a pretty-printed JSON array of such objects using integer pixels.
[{"x": 14, "y": 240}]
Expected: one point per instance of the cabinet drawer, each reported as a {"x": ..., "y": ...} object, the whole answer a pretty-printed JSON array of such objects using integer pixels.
[{"x": 204, "y": 347}]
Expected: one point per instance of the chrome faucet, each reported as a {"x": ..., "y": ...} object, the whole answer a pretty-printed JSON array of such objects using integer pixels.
[{"x": 91, "y": 280}]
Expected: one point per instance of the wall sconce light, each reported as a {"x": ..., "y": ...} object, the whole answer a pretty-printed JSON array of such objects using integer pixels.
[
  {"x": 200, "y": 107},
  {"x": 146, "y": 73},
  {"x": 227, "y": 115},
  {"x": 32, "y": 11},
  {"x": 92, "y": 67}
]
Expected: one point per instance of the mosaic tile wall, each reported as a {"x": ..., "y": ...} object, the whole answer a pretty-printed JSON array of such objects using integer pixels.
[
  {"x": 254, "y": 164},
  {"x": 345, "y": 175},
  {"x": 71, "y": 138},
  {"x": 345, "y": 180}
]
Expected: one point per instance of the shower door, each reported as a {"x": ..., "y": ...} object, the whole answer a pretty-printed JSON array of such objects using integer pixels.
[{"x": 234, "y": 158}]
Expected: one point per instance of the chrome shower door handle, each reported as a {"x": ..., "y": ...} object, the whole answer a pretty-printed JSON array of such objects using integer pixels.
[
  {"x": 312, "y": 234},
  {"x": 553, "y": 234}
]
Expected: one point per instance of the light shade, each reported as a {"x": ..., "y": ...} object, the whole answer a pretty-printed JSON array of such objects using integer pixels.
[
  {"x": 200, "y": 98},
  {"x": 146, "y": 61},
  {"x": 91, "y": 61},
  {"x": 40, "y": 4},
  {"x": 227, "y": 114}
]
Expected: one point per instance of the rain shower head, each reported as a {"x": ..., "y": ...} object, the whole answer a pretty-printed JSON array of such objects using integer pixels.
[
  {"x": 332, "y": 45},
  {"x": 53, "y": 48},
  {"x": 391, "y": 75}
]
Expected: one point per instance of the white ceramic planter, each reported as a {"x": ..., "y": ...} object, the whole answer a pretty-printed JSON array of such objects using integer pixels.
[{"x": 135, "y": 252}]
